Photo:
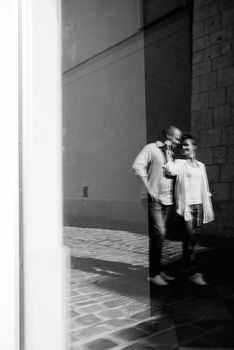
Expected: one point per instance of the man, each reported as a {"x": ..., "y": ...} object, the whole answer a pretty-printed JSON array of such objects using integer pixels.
[{"x": 148, "y": 165}]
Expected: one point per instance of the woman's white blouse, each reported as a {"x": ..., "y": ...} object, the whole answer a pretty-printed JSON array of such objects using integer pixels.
[
  {"x": 184, "y": 188},
  {"x": 194, "y": 184}
]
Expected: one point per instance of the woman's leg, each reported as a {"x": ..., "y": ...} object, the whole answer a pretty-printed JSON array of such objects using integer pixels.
[{"x": 188, "y": 245}]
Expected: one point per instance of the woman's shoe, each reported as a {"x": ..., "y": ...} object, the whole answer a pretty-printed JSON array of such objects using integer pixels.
[
  {"x": 158, "y": 281},
  {"x": 197, "y": 279}
]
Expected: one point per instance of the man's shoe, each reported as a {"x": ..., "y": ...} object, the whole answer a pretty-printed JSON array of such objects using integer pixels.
[
  {"x": 158, "y": 281},
  {"x": 197, "y": 279},
  {"x": 166, "y": 277}
]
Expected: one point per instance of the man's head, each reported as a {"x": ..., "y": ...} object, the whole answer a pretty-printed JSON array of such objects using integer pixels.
[{"x": 173, "y": 134}]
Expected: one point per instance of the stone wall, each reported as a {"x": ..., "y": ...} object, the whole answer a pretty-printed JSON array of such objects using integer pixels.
[{"x": 213, "y": 103}]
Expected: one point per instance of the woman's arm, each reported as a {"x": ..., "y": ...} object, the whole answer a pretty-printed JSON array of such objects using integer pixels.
[
  {"x": 171, "y": 167},
  {"x": 206, "y": 180}
]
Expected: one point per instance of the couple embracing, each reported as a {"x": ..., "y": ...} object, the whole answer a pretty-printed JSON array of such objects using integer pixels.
[{"x": 156, "y": 168}]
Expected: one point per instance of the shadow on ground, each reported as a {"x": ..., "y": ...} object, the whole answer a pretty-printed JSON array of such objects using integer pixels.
[
  {"x": 131, "y": 280},
  {"x": 179, "y": 316},
  {"x": 123, "y": 278}
]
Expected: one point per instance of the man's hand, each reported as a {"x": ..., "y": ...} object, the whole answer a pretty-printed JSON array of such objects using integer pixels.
[
  {"x": 145, "y": 182},
  {"x": 151, "y": 195}
]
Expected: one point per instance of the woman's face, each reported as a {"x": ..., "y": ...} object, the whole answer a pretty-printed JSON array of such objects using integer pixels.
[{"x": 188, "y": 148}]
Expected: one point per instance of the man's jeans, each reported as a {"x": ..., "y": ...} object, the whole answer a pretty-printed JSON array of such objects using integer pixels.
[{"x": 157, "y": 217}]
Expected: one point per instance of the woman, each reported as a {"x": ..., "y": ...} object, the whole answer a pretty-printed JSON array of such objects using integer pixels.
[{"x": 192, "y": 200}]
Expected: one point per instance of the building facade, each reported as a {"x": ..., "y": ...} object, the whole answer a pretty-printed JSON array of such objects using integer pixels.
[
  {"x": 129, "y": 69},
  {"x": 212, "y": 114}
]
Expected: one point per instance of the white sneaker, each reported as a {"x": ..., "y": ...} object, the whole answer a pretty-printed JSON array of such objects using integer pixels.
[
  {"x": 198, "y": 279},
  {"x": 166, "y": 277},
  {"x": 158, "y": 281}
]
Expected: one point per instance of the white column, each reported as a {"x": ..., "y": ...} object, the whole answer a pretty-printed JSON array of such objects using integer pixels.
[
  {"x": 9, "y": 186},
  {"x": 44, "y": 263}
]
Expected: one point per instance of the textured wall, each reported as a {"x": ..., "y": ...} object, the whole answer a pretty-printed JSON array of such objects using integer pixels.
[{"x": 213, "y": 102}]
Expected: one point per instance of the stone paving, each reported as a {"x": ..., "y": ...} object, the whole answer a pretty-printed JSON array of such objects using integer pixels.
[
  {"x": 109, "y": 289},
  {"x": 109, "y": 299}
]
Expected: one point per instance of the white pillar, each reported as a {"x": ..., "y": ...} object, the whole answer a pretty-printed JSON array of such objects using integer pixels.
[
  {"x": 44, "y": 263},
  {"x": 9, "y": 186}
]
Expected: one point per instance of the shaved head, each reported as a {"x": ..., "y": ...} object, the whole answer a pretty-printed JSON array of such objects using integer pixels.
[
  {"x": 173, "y": 134},
  {"x": 170, "y": 130}
]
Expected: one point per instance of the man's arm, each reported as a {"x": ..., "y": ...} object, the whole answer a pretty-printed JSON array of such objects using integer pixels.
[
  {"x": 141, "y": 162},
  {"x": 140, "y": 166}
]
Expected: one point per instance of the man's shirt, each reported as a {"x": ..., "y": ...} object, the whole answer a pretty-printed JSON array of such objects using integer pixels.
[{"x": 149, "y": 163}]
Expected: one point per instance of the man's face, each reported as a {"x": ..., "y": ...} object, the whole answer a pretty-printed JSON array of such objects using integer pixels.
[{"x": 174, "y": 137}]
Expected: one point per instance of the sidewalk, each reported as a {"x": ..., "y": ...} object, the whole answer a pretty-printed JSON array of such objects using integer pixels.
[{"x": 112, "y": 306}]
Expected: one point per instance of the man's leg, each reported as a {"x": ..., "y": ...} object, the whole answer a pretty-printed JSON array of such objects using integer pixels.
[{"x": 157, "y": 215}]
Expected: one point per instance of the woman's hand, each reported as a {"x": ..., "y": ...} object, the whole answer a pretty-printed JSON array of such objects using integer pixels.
[
  {"x": 168, "y": 150},
  {"x": 167, "y": 144}
]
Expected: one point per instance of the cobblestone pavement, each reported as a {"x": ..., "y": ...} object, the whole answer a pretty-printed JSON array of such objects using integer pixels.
[{"x": 112, "y": 306}]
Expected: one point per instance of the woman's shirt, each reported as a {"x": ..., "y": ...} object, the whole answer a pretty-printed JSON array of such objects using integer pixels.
[
  {"x": 189, "y": 188},
  {"x": 194, "y": 183}
]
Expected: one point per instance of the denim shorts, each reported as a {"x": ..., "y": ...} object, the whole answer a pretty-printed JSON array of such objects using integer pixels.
[{"x": 196, "y": 211}]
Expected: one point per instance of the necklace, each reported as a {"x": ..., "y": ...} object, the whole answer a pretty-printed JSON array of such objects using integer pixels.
[{"x": 193, "y": 163}]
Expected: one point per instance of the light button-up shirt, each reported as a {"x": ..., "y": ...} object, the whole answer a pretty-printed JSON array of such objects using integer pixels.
[{"x": 149, "y": 163}]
